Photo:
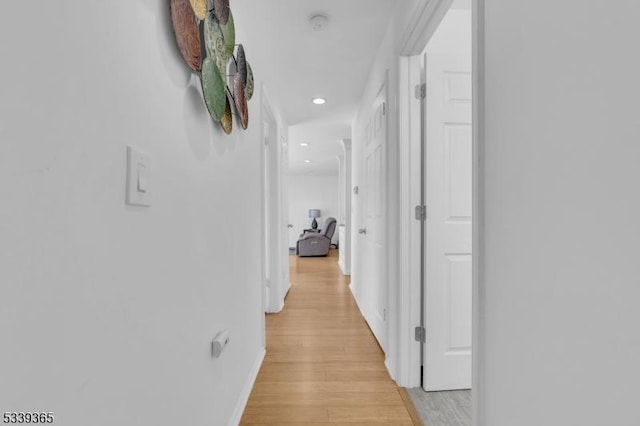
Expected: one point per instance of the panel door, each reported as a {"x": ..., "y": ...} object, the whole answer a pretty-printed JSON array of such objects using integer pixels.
[
  {"x": 373, "y": 217},
  {"x": 448, "y": 196}
]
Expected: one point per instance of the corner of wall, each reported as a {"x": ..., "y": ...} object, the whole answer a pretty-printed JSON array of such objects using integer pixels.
[{"x": 243, "y": 399}]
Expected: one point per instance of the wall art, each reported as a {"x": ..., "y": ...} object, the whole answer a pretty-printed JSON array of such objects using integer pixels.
[{"x": 206, "y": 36}]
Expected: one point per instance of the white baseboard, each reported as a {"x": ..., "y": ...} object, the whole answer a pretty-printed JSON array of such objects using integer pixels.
[
  {"x": 390, "y": 370},
  {"x": 344, "y": 270},
  {"x": 282, "y": 302},
  {"x": 280, "y": 306},
  {"x": 246, "y": 391},
  {"x": 276, "y": 310},
  {"x": 352, "y": 289},
  {"x": 367, "y": 315}
]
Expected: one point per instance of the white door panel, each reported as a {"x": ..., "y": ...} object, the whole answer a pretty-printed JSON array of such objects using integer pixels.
[
  {"x": 371, "y": 272},
  {"x": 448, "y": 196}
]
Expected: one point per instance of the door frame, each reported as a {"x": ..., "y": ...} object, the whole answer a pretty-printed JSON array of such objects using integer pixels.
[
  {"x": 478, "y": 129},
  {"x": 275, "y": 247},
  {"x": 424, "y": 22}
]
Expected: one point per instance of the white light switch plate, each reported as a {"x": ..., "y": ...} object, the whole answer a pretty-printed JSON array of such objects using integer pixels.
[{"x": 138, "y": 177}]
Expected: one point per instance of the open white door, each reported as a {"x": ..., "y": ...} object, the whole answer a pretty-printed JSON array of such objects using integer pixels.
[{"x": 448, "y": 195}]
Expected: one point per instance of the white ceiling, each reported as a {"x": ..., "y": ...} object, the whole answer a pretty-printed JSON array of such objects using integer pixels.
[
  {"x": 324, "y": 146},
  {"x": 297, "y": 63}
]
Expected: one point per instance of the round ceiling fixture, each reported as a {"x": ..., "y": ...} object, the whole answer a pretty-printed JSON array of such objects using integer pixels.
[
  {"x": 319, "y": 22},
  {"x": 319, "y": 101}
]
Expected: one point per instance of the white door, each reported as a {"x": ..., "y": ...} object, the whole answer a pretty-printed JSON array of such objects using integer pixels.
[
  {"x": 372, "y": 217},
  {"x": 448, "y": 196},
  {"x": 284, "y": 213},
  {"x": 274, "y": 247}
]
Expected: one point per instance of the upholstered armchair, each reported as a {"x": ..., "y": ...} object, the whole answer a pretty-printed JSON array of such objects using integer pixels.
[{"x": 317, "y": 244}]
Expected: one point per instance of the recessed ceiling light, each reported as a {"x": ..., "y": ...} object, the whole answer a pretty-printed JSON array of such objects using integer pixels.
[
  {"x": 307, "y": 161},
  {"x": 319, "y": 101},
  {"x": 304, "y": 144}
]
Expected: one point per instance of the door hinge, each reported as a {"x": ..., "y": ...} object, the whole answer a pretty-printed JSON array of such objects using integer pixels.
[
  {"x": 421, "y": 213},
  {"x": 421, "y": 91},
  {"x": 421, "y": 334}
]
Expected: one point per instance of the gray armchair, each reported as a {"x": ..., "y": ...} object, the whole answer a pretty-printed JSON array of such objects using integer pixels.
[{"x": 317, "y": 244}]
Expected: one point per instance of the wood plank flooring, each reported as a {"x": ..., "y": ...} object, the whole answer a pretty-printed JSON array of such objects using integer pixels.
[{"x": 323, "y": 366}]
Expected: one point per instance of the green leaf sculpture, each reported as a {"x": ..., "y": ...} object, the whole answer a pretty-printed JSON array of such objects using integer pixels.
[
  {"x": 214, "y": 89},
  {"x": 215, "y": 45},
  {"x": 229, "y": 35}
]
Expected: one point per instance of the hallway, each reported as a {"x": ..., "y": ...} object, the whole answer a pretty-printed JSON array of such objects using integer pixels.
[{"x": 323, "y": 365}]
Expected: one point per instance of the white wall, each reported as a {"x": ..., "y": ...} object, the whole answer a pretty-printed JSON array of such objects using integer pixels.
[
  {"x": 559, "y": 155},
  {"x": 311, "y": 192},
  {"x": 453, "y": 34},
  {"x": 108, "y": 311}
]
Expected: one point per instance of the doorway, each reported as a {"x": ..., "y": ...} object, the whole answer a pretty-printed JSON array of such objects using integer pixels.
[
  {"x": 446, "y": 100},
  {"x": 440, "y": 81},
  {"x": 274, "y": 231}
]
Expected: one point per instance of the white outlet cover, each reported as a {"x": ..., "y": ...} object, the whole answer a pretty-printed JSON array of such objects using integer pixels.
[{"x": 138, "y": 177}]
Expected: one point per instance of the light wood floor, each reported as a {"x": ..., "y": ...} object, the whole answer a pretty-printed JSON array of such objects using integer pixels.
[{"x": 323, "y": 366}]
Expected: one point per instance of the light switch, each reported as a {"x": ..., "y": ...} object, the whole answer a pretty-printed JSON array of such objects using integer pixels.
[
  {"x": 142, "y": 178},
  {"x": 138, "y": 177}
]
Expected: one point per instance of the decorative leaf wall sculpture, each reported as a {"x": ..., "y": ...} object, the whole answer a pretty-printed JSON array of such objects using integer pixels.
[
  {"x": 219, "y": 36},
  {"x": 222, "y": 10},
  {"x": 242, "y": 65},
  {"x": 249, "y": 87},
  {"x": 214, "y": 89},
  {"x": 229, "y": 35},
  {"x": 199, "y": 8},
  {"x": 185, "y": 27},
  {"x": 215, "y": 45},
  {"x": 241, "y": 101},
  {"x": 227, "y": 119}
]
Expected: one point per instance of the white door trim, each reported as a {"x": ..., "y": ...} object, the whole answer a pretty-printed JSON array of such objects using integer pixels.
[
  {"x": 274, "y": 287},
  {"x": 477, "y": 64},
  {"x": 427, "y": 18},
  {"x": 424, "y": 22},
  {"x": 408, "y": 299}
]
